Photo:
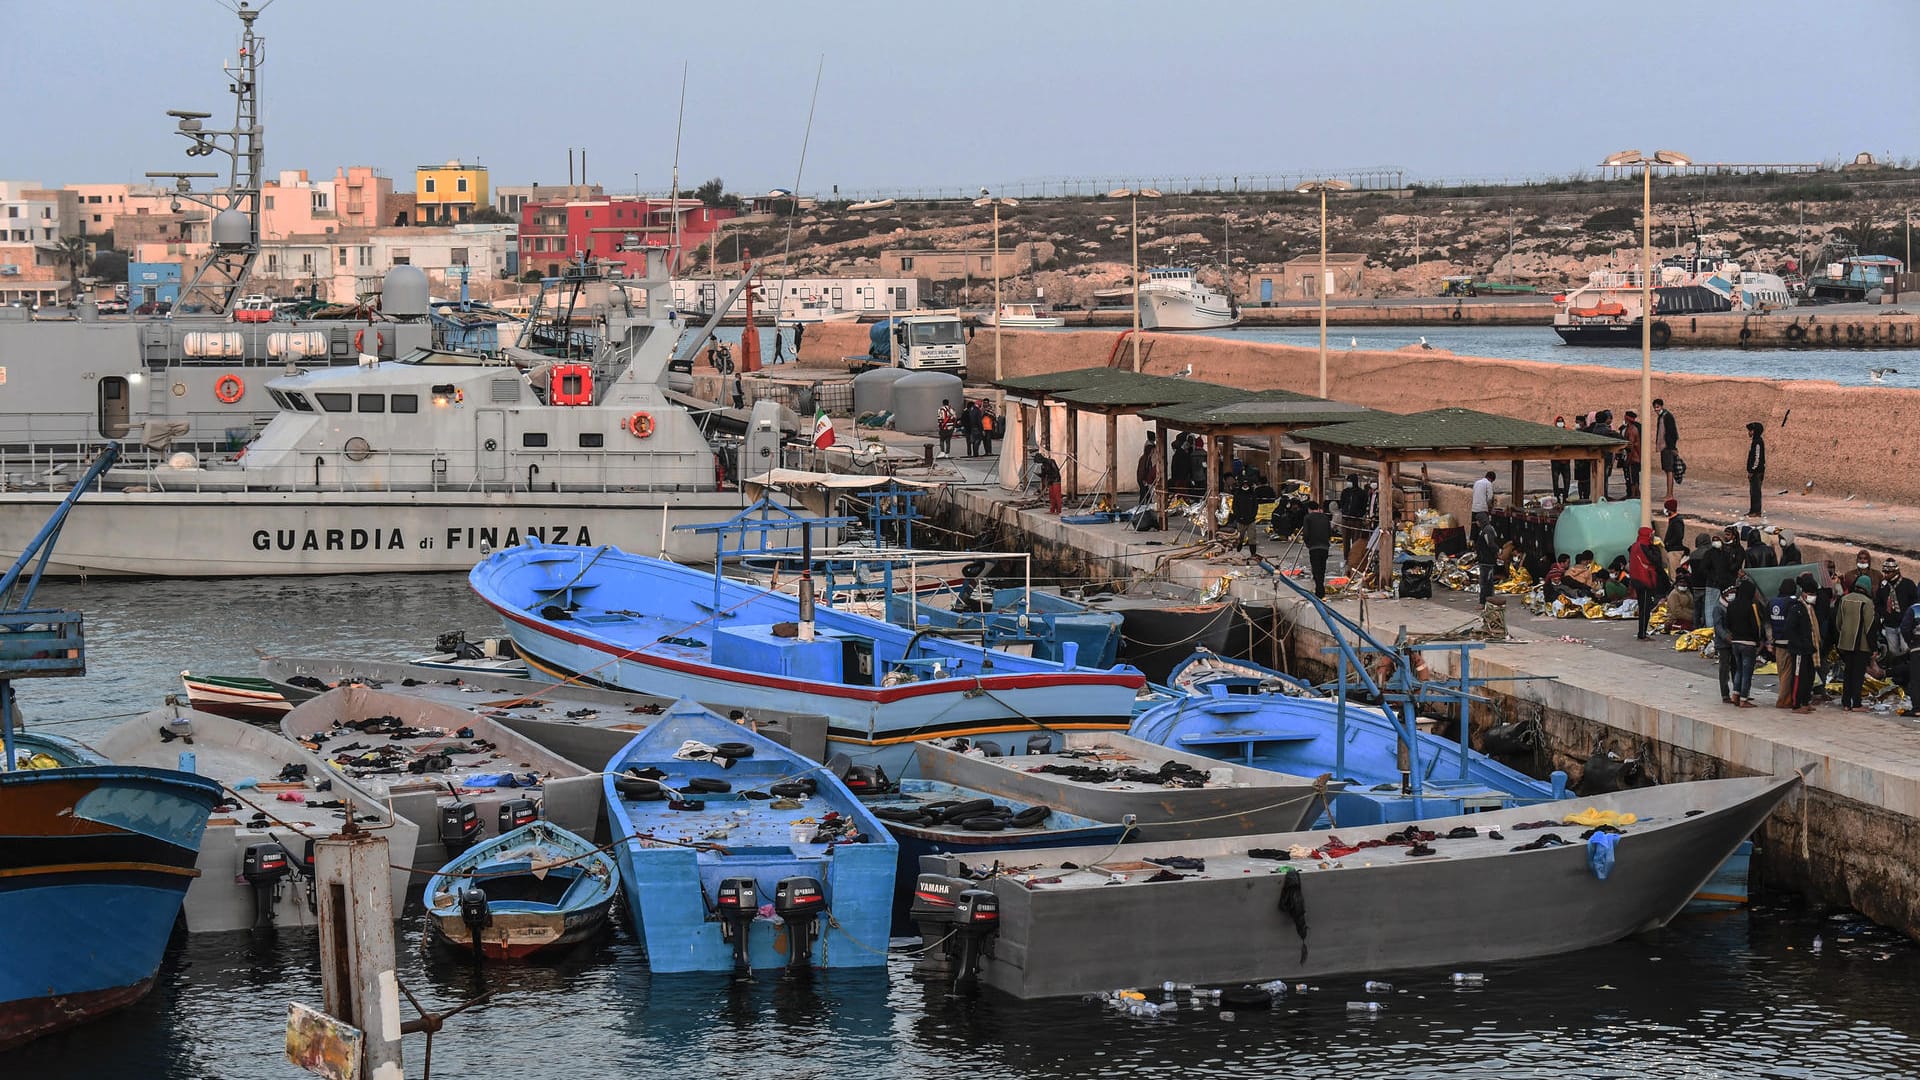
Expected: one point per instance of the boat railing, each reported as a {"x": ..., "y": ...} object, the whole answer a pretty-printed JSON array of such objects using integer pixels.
[{"x": 521, "y": 471}]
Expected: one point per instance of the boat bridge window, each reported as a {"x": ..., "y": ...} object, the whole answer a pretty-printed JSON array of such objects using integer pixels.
[
  {"x": 533, "y": 438},
  {"x": 332, "y": 402},
  {"x": 592, "y": 439},
  {"x": 279, "y": 399},
  {"x": 373, "y": 402},
  {"x": 406, "y": 403},
  {"x": 298, "y": 401}
]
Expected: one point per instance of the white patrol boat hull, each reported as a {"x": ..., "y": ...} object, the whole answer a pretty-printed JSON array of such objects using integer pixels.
[
  {"x": 160, "y": 534},
  {"x": 1181, "y": 311}
]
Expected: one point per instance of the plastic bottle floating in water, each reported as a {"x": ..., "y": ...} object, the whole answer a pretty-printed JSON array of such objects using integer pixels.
[
  {"x": 1365, "y": 1007},
  {"x": 1375, "y": 986},
  {"x": 1469, "y": 978}
]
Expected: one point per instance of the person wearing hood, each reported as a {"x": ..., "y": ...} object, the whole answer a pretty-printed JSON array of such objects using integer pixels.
[
  {"x": 1758, "y": 555},
  {"x": 1854, "y": 637},
  {"x": 1746, "y": 624},
  {"x": 1676, "y": 535},
  {"x": 1756, "y": 466},
  {"x": 1647, "y": 573},
  {"x": 1630, "y": 453},
  {"x": 1721, "y": 566},
  {"x": 1803, "y": 634},
  {"x": 1789, "y": 549},
  {"x": 1780, "y": 618}
]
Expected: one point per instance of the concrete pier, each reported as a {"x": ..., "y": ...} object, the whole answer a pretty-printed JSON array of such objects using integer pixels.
[
  {"x": 1828, "y": 326},
  {"x": 1845, "y": 840}
]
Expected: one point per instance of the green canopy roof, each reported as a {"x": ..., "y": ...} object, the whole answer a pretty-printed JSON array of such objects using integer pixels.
[
  {"x": 1452, "y": 430},
  {"x": 1267, "y": 408}
]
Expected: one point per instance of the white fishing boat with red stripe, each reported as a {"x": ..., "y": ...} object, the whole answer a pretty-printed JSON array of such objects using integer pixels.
[{"x": 607, "y": 617}]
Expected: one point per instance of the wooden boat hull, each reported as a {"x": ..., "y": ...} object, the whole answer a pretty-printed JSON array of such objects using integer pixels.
[
  {"x": 671, "y": 866},
  {"x": 1476, "y": 901},
  {"x": 548, "y": 889},
  {"x": 97, "y": 861},
  {"x": 1272, "y": 802},
  {"x": 252, "y": 700}
]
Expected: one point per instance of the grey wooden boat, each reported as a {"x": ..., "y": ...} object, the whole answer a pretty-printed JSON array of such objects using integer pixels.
[
  {"x": 1237, "y": 801},
  {"x": 1083, "y": 920}
]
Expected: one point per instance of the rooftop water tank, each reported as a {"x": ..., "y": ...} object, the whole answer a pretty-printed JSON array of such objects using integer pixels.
[
  {"x": 917, "y": 398},
  {"x": 404, "y": 293},
  {"x": 232, "y": 229},
  {"x": 873, "y": 389}
]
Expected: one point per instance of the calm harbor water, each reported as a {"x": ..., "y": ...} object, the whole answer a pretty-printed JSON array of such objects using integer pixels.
[
  {"x": 1742, "y": 995},
  {"x": 1540, "y": 343}
]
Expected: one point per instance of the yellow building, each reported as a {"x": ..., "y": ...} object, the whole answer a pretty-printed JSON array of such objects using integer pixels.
[{"x": 450, "y": 193}]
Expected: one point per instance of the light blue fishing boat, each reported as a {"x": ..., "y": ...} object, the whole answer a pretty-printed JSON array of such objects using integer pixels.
[
  {"x": 534, "y": 889},
  {"x": 631, "y": 622},
  {"x": 737, "y": 853}
]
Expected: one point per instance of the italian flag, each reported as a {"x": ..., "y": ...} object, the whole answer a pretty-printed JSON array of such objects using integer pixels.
[{"x": 822, "y": 430}]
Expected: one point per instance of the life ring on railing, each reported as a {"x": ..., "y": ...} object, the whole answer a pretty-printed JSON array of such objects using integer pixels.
[
  {"x": 640, "y": 425},
  {"x": 228, "y": 389},
  {"x": 360, "y": 336}
]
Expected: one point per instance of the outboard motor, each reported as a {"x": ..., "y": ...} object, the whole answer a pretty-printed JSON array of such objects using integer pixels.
[
  {"x": 459, "y": 826},
  {"x": 1039, "y": 744},
  {"x": 976, "y": 917},
  {"x": 475, "y": 914},
  {"x": 265, "y": 867},
  {"x": 799, "y": 901},
  {"x": 517, "y": 813},
  {"x": 866, "y": 780},
  {"x": 738, "y": 902}
]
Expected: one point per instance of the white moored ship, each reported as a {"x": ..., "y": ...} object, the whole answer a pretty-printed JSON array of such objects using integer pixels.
[
  {"x": 1172, "y": 298},
  {"x": 424, "y": 463}
]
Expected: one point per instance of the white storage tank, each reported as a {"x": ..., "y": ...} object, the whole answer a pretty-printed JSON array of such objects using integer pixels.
[
  {"x": 917, "y": 398},
  {"x": 873, "y": 390}
]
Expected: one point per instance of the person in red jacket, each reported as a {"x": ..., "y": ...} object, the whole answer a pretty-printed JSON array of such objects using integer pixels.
[{"x": 1647, "y": 572}]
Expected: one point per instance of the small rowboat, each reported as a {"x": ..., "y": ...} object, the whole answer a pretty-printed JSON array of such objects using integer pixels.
[
  {"x": 238, "y": 697},
  {"x": 535, "y": 889}
]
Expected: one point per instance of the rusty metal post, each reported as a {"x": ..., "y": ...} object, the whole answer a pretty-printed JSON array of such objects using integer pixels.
[{"x": 357, "y": 975}]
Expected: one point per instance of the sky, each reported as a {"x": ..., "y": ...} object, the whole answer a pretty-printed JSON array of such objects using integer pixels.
[{"x": 1013, "y": 96}]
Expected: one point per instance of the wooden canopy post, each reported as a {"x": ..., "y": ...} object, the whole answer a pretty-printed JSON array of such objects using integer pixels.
[
  {"x": 1073, "y": 452},
  {"x": 1213, "y": 485},
  {"x": 1519, "y": 482},
  {"x": 1162, "y": 460},
  {"x": 1113, "y": 461},
  {"x": 1320, "y": 493},
  {"x": 1274, "y": 439},
  {"x": 1383, "y": 571}
]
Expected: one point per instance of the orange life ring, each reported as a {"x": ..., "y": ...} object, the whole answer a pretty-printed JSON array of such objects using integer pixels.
[
  {"x": 228, "y": 389},
  {"x": 640, "y": 425},
  {"x": 379, "y": 341}
]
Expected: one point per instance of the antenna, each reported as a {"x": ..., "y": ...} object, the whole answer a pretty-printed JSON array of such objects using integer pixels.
[
  {"x": 234, "y": 232},
  {"x": 673, "y": 251},
  {"x": 793, "y": 197}
]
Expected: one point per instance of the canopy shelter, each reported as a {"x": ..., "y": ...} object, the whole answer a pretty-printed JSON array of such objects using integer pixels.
[
  {"x": 1444, "y": 435},
  {"x": 1268, "y": 414},
  {"x": 1111, "y": 393}
]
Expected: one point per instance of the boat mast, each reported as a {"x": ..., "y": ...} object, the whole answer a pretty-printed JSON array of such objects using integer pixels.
[
  {"x": 234, "y": 233},
  {"x": 679, "y": 125},
  {"x": 793, "y": 198}
]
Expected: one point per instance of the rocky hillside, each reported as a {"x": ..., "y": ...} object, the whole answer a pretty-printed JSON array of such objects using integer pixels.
[{"x": 1545, "y": 235}]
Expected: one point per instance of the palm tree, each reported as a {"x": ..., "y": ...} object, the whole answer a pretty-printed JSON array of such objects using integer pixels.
[{"x": 74, "y": 251}]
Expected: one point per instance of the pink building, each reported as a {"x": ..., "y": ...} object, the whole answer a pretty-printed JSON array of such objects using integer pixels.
[
  {"x": 610, "y": 229},
  {"x": 99, "y": 206},
  {"x": 360, "y": 197}
]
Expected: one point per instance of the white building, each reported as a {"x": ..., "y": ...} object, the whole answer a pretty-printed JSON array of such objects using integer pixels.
[
  {"x": 342, "y": 266},
  {"x": 30, "y": 212}
]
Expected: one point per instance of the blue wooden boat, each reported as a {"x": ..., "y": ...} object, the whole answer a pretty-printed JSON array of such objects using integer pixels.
[
  {"x": 94, "y": 864},
  {"x": 1039, "y": 618},
  {"x": 745, "y": 854},
  {"x": 631, "y": 622},
  {"x": 1356, "y": 743},
  {"x": 535, "y": 889}
]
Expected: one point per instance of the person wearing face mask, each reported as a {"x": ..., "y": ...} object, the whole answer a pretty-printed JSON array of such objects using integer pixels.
[
  {"x": 1789, "y": 549},
  {"x": 1562, "y": 469},
  {"x": 1893, "y": 596}
]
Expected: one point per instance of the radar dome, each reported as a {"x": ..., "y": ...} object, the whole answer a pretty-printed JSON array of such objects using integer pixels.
[
  {"x": 232, "y": 229},
  {"x": 404, "y": 295}
]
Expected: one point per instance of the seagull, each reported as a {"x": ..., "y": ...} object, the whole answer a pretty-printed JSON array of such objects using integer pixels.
[
  {"x": 1353, "y": 343},
  {"x": 1184, "y": 372},
  {"x": 1879, "y": 374},
  {"x": 1808, "y": 488},
  {"x": 1423, "y": 343}
]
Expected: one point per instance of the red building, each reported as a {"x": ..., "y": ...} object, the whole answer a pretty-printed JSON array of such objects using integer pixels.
[{"x": 612, "y": 228}]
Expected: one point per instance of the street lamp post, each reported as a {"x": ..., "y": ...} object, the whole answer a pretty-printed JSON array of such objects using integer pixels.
[
  {"x": 1134, "y": 195},
  {"x": 1647, "y": 420},
  {"x": 1323, "y": 186},
  {"x": 996, "y": 202}
]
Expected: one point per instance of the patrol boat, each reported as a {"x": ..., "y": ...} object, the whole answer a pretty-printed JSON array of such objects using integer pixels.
[{"x": 423, "y": 463}]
